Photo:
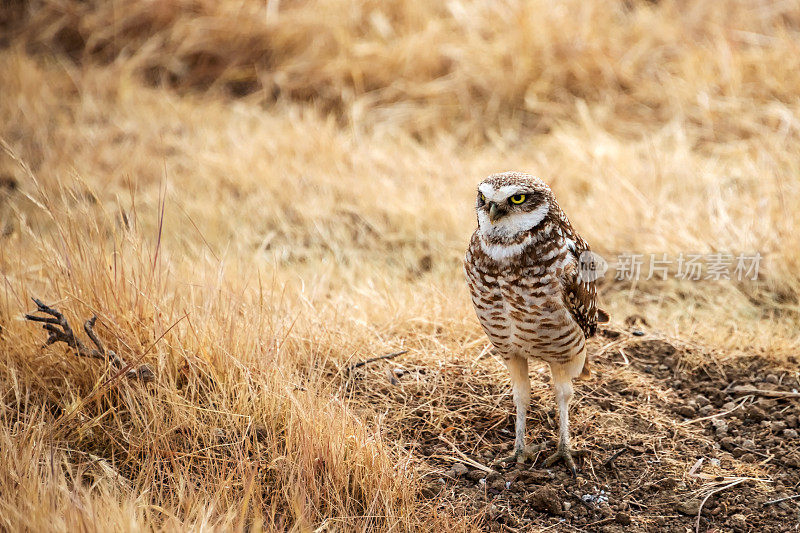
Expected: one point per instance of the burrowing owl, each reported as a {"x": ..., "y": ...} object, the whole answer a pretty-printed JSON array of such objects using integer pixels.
[{"x": 533, "y": 293}]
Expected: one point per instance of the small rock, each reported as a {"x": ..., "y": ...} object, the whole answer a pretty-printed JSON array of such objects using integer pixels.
[
  {"x": 738, "y": 521},
  {"x": 777, "y": 426},
  {"x": 536, "y": 477},
  {"x": 667, "y": 483},
  {"x": 637, "y": 333},
  {"x": 706, "y": 410},
  {"x": 792, "y": 459},
  {"x": 493, "y": 476},
  {"x": 702, "y": 400},
  {"x": 475, "y": 475},
  {"x": 609, "y": 333},
  {"x": 748, "y": 458},
  {"x": 458, "y": 470},
  {"x": 597, "y": 499},
  {"x": 728, "y": 443},
  {"x": 771, "y": 378},
  {"x": 623, "y": 519},
  {"x": 790, "y": 433},
  {"x": 689, "y": 508},
  {"x": 567, "y": 506},
  {"x": 756, "y": 413},
  {"x": 749, "y": 444},
  {"x": 546, "y": 500},
  {"x": 686, "y": 411},
  {"x": 791, "y": 421},
  {"x": 498, "y": 484}
]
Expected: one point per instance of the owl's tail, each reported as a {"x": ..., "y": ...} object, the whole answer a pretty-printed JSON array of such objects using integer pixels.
[{"x": 586, "y": 373}]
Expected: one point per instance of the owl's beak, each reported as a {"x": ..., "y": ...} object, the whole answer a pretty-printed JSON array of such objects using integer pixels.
[{"x": 495, "y": 212}]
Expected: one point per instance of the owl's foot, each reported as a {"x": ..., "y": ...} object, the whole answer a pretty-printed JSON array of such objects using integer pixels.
[
  {"x": 523, "y": 454},
  {"x": 565, "y": 453}
]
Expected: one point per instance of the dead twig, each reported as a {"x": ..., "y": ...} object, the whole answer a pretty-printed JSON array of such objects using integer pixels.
[
  {"x": 60, "y": 331},
  {"x": 744, "y": 389},
  {"x": 608, "y": 462},
  {"x": 720, "y": 484},
  {"x": 373, "y": 359},
  {"x": 779, "y": 500},
  {"x": 729, "y": 387},
  {"x": 464, "y": 458},
  {"x": 709, "y": 417},
  {"x": 702, "y": 503}
]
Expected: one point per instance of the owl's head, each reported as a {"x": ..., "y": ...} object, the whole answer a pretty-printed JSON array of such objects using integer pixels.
[{"x": 511, "y": 203}]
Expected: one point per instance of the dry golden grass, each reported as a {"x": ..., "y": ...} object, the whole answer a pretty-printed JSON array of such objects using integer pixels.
[{"x": 252, "y": 197}]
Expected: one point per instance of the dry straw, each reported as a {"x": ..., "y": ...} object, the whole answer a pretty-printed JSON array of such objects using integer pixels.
[{"x": 254, "y": 197}]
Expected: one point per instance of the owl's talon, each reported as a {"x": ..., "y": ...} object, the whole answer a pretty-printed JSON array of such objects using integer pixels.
[
  {"x": 522, "y": 455},
  {"x": 565, "y": 453}
]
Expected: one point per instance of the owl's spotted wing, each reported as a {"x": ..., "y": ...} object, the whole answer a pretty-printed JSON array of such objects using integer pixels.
[{"x": 580, "y": 292}]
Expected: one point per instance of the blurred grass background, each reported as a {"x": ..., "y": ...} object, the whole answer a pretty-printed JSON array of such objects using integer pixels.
[{"x": 280, "y": 188}]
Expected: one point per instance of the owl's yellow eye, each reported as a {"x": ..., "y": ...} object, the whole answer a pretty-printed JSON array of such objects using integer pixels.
[
  {"x": 517, "y": 199},
  {"x": 482, "y": 197}
]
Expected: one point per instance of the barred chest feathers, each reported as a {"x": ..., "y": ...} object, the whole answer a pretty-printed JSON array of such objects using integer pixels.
[{"x": 516, "y": 289}]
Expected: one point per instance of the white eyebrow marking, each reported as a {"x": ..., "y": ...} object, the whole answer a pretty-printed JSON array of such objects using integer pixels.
[{"x": 499, "y": 195}]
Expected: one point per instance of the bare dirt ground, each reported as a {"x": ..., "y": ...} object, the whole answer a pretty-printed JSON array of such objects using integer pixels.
[{"x": 661, "y": 436}]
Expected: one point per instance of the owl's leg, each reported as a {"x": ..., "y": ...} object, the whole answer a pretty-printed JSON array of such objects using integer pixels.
[
  {"x": 562, "y": 384},
  {"x": 521, "y": 389}
]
